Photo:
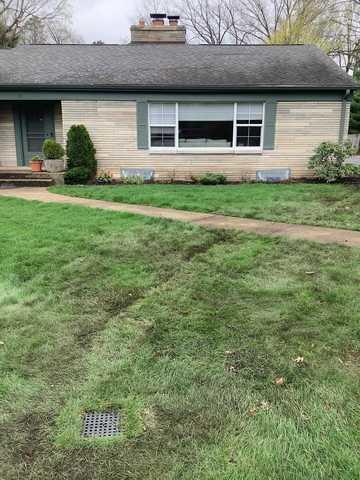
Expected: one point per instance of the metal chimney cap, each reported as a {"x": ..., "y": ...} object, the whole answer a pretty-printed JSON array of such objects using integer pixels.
[
  {"x": 157, "y": 16},
  {"x": 173, "y": 17}
]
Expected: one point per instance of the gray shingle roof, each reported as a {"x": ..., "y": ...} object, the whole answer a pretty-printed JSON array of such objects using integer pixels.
[{"x": 155, "y": 66}]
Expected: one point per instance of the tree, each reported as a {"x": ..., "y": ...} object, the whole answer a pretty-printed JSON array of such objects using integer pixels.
[
  {"x": 250, "y": 21},
  {"x": 213, "y": 21},
  {"x": 210, "y": 21},
  {"x": 61, "y": 33},
  {"x": 354, "y": 126},
  {"x": 34, "y": 31},
  {"x": 264, "y": 17},
  {"x": 310, "y": 22},
  {"x": 347, "y": 52},
  {"x": 333, "y": 25},
  {"x": 80, "y": 152},
  {"x": 34, "y": 21},
  {"x": 7, "y": 39}
]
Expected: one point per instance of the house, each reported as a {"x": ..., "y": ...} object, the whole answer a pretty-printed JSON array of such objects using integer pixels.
[{"x": 161, "y": 104}]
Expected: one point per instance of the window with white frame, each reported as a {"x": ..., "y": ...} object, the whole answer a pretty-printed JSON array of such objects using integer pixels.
[
  {"x": 204, "y": 125},
  {"x": 249, "y": 124},
  {"x": 162, "y": 118}
]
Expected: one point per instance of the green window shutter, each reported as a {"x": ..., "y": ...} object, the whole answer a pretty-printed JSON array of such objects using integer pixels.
[
  {"x": 142, "y": 125},
  {"x": 270, "y": 125}
]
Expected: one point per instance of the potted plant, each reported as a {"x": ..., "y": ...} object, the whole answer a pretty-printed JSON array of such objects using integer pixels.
[
  {"x": 54, "y": 156},
  {"x": 36, "y": 164}
]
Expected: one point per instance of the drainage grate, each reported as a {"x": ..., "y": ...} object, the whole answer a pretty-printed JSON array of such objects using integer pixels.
[{"x": 101, "y": 424}]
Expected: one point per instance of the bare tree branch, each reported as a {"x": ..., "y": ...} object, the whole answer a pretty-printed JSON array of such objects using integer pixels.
[
  {"x": 333, "y": 25},
  {"x": 32, "y": 20}
]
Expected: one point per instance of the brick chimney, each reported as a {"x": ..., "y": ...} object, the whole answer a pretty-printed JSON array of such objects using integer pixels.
[{"x": 159, "y": 31}]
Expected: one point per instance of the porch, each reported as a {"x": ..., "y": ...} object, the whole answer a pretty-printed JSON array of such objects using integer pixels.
[{"x": 24, "y": 126}]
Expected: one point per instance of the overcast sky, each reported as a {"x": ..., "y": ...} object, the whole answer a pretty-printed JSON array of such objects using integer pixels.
[{"x": 107, "y": 20}]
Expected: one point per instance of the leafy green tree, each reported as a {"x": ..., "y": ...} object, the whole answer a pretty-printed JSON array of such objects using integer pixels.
[
  {"x": 354, "y": 126},
  {"x": 309, "y": 22}
]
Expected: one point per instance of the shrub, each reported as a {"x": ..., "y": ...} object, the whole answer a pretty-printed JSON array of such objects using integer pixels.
[
  {"x": 210, "y": 179},
  {"x": 351, "y": 170},
  {"x": 80, "y": 149},
  {"x": 328, "y": 161},
  {"x": 77, "y": 175},
  {"x": 52, "y": 150},
  {"x": 133, "y": 180}
]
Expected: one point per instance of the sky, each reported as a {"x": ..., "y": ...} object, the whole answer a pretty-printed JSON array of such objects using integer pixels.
[{"x": 107, "y": 20}]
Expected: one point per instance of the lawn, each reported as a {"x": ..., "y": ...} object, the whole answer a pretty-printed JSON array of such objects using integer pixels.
[
  {"x": 229, "y": 356},
  {"x": 312, "y": 204}
]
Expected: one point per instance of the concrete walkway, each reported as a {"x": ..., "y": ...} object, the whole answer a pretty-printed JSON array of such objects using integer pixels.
[{"x": 261, "y": 227}]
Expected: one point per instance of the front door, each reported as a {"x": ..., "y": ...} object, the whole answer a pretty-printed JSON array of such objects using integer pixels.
[{"x": 37, "y": 124}]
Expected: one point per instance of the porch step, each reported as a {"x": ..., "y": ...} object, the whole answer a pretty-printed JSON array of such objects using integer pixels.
[
  {"x": 23, "y": 174},
  {"x": 25, "y": 182}
]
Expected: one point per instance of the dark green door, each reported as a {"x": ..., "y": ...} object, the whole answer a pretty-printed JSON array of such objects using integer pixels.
[{"x": 37, "y": 124}]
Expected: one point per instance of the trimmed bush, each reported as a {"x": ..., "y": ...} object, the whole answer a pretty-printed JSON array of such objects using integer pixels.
[
  {"x": 211, "y": 179},
  {"x": 52, "y": 150},
  {"x": 80, "y": 149},
  {"x": 328, "y": 161},
  {"x": 77, "y": 175}
]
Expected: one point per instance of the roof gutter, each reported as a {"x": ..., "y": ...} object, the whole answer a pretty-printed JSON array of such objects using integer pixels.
[{"x": 171, "y": 89}]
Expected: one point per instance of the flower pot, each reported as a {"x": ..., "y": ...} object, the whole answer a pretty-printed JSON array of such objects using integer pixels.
[
  {"x": 36, "y": 165},
  {"x": 54, "y": 165}
]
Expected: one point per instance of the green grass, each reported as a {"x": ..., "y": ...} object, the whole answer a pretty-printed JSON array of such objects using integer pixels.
[
  {"x": 312, "y": 204},
  {"x": 185, "y": 330}
]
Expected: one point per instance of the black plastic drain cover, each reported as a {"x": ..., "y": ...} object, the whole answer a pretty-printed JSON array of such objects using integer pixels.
[{"x": 101, "y": 424}]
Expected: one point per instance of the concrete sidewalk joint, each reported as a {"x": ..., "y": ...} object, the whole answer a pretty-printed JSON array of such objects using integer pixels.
[{"x": 261, "y": 227}]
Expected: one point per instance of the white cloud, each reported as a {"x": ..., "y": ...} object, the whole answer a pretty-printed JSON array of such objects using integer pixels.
[{"x": 107, "y": 20}]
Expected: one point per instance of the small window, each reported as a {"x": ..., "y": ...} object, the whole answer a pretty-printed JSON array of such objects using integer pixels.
[
  {"x": 249, "y": 125},
  {"x": 162, "y": 117}
]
